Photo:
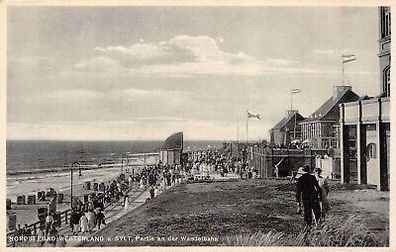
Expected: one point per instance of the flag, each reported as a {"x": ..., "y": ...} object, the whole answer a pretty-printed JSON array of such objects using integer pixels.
[
  {"x": 253, "y": 115},
  {"x": 295, "y": 91},
  {"x": 348, "y": 58}
]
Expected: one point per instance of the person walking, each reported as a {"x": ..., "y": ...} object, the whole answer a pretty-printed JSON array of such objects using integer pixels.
[
  {"x": 74, "y": 221},
  {"x": 83, "y": 223},
  {"x": 100, "y": 218},
  {"x": 152, "y": 192},
  {"x": 325, "y": 186},
  {"x": 309, "y": 192},
  {"x": 91, "y": 218},
  {"x": 49, "y": 220},
  {"x": 130, "y": 182},
  {"x": 126, "y": 200}
]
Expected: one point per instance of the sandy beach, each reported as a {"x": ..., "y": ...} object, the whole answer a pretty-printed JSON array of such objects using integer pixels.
[{"x": 61, "y": 183}]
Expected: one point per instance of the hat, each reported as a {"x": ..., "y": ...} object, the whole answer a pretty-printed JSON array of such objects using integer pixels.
[{"x": 300, "y": 172}]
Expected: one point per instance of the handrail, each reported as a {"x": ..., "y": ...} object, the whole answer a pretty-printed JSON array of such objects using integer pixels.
[{"x": 64, "y": 217}]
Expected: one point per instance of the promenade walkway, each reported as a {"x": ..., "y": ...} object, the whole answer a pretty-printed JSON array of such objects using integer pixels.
[
  {"x": 112, "y": 213},
  {"x": 137, "y": 199}
]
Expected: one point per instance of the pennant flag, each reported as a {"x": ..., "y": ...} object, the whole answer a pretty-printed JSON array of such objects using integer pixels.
[
  {"x": 348, "y": 58},
  {"x": 253, "y": 115},
  {"x": 295, "y": 91}
]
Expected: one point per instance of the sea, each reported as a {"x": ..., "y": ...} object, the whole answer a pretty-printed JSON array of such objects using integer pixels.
[{"x": 34, "y": 165}]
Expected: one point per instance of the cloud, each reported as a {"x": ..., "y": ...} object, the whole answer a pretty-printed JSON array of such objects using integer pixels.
[
  {"x": 180, "y": 56},
  {"x": 186, "y": 56},
  {"x": 180, "y": 49}
]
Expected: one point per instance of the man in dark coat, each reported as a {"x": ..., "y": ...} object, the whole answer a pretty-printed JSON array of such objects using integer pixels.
[
  {"x": 309, "y": 191},
  {"x": 75, "y": 221},
  {"x": 100, "y": 218}
]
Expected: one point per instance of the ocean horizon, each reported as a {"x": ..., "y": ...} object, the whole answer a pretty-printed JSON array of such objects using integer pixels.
[{"x": 45, "y": 155}]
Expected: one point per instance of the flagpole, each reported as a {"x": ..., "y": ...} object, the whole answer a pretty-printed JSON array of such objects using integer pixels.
[
  {"x": 247, "y": 130},
  {"x": 342, "y": 70},
  {"x": 238, "y": 133},
  {"x": 345, "y": 59},
  {"x": 295, "y": 120},
  {"x": 293, "y": 91}
]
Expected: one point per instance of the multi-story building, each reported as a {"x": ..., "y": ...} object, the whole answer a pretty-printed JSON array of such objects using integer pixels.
[
  {"x": 320, "y": 129},
  {"x": 287, "y": 129},
  {"x": 365, "y": 125}
]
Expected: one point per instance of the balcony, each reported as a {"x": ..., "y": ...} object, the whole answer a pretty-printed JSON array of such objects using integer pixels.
[{"x": 367, "y": 111}]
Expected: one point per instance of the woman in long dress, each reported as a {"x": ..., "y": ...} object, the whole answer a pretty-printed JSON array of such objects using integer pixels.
[
  {"x": 84, "y": 223},
  {"x": 141, "y": 182},
  {"x": 126, "y": 201},
  {"x": 91, "y": 220}
]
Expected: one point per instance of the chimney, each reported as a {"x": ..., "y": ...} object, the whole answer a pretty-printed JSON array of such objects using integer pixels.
[{"x": 337, "y": 90}]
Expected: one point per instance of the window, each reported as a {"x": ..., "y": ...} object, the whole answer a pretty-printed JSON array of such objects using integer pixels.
[
  {"x": 371, "y": 151},
  {"x": 385, "y": 22},
  {"x": 386, "y": 81}
]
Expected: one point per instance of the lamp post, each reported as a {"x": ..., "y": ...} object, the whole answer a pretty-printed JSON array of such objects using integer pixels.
[{"x": 74, "y": 164}]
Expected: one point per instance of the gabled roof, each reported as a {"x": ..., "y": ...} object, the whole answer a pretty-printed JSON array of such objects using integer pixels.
[
  {"x": 328, "y": 106},
  {"x": 282, "y": 123}
]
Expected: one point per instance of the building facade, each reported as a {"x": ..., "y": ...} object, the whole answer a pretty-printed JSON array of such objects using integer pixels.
[
  {"x": 365, "y": 125},
  {"x": 287, "y": 129},
  {"x": 320, "y": 129}
]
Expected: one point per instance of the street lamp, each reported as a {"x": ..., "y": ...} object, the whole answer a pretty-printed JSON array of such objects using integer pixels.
[{"x": 73, "y": 165}]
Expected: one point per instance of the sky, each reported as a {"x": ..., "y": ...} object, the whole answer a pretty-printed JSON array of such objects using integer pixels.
[{"x": 143, "y": 73}]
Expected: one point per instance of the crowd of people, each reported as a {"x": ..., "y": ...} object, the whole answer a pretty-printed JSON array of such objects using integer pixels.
[
  {"x": 311, "y": 191},
  {"x": 207, "y": 162}
]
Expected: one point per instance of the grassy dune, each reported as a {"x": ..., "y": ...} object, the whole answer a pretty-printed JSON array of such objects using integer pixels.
[{"x": 249, "y": 213}]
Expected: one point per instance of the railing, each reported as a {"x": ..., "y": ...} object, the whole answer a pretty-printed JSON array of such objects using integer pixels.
[
  {"x": 64, "y": 218},
  {"x": 367, "y": 110}
]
